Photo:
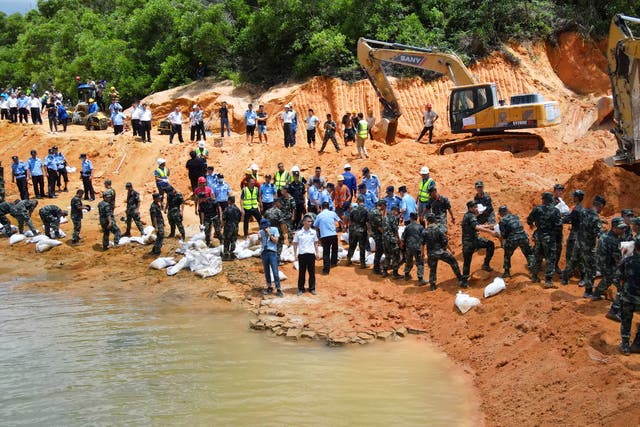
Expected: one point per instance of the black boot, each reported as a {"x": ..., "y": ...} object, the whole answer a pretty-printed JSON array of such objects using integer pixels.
[
  {"x": 613, "y": 314},
  {"x": 395, "y": 275},
  {"x": 624, "y": 347},
  {"x": 588, "y": 293},
  {"x": 597, "y": 295}
]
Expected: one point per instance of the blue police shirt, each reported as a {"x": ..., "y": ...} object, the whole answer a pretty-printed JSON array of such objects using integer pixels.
[
  {"x": 268, "y": 192},
  {"x": 35, "y": 166},
  {"x": 326, "y": 223}
]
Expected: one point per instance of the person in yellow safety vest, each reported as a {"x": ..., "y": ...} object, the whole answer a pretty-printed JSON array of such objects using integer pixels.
[
  {"x": 161, "y": 175},
  {"x": 201, "y": 151},
  {"x": 426, "y": 183},
  {"x": 281, "y": 177},
  {"x": 250, "y": 209},
  {"x": 363, "y": 133}
]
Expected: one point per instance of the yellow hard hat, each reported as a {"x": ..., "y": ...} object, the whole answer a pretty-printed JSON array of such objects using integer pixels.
[
  {"x": 340, "y": 178},
  {"x": 91, "y": 99},
  {"x": 113, "y": 88}
]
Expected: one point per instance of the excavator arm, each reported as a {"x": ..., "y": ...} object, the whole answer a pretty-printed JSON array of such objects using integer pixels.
[
  {"x": 623, "y": 56},
  {"x": 372, "y": 54}
]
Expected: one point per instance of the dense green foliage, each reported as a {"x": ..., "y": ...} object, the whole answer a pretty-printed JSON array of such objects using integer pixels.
[{"x": 142, "y": 46}]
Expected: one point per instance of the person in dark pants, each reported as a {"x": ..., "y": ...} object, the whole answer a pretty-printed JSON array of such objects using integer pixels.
[
  {"x": 36, "y": 171},
  {"x": 145, "y": 123},
  {"x": 157, "y": 220},
  {"x": 61, "y": 163},
  {"x": 86, "y": 172},
  {"x": 250, "y": 205},
  {"x": 471, "y": 242},
  {"x": 196, "y": 167},
  {"x": 297, "y": 189},
  {"x": 136, "y": 110},
  {"x": 305, "y": 249},
  {"x": 175, "y": 118},
  {"x": 269, "y": 254},
  {"x": 51, "y": 163},
  {"x": 326, "y": 224},
  {"x": 19, "y": 176},
  {"x": 223, "y": 112}
]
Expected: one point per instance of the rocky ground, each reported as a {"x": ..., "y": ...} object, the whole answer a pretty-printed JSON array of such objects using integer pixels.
[{"x": 535, "y": 357}]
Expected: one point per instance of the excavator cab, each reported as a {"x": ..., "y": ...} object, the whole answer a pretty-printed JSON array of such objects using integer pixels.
[{"x": 467, "y": 101}]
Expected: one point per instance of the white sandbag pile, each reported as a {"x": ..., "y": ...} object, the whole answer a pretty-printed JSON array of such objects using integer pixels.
[
  {"x": 162, "y": 263},
  {"x": 465, "y": 302},
  {"x": 147, "y": 237},
  {"x": 16, "y": 238},
  {"x": 495, "y": 287},
  {"x": 203, "y": 261}
]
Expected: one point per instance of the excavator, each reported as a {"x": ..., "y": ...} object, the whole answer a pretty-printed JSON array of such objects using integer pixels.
[
  {"x": 623, "y": 57},
  {"x": 474, "y": 107}
]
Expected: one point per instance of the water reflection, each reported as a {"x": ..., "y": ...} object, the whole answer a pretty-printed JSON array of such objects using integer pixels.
[{"x": 113, "y": 360}]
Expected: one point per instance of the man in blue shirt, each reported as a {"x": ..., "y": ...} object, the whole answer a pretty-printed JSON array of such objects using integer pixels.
[
  {"x": 36, "y": 170},
  {"x": 117, "y": 119},
  {"x": 250, "y": 118},
  {"x": 371, "y": 181},
  {"x": 23, "y": 108},
  {"x": 212, "y": 178},
  {"x": 408, "y": 203},
  {"x": 51, "y": 163},
  {"x": 325, "y": 195},
  {"x": 269, "y": 244},
  {"x": 370, "y": 199},
  {"x": 350, "y": 180},
  {"x": 391, "y": 199},
  {"x": 326, "y": 224},
  {"x": 222, "y": 190},
  {"x": 86, "y": 172},
  {"x": 313, "y": 196},
  {"x": 19, "y": 176},
  {"x": 61, "y": 164},
  {"x": 267, "y": 194}
]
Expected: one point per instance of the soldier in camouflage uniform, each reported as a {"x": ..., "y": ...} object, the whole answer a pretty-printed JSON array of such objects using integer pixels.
[
  {"x": 175, "y": 206},
  {"x": 471, "y": 242},
  {"x": 584, "y": 251},
  {"x": 209, "y": 211},
  {"x": 412, "y": 240},
  {"x": 358, "y": 218},
  {"x": 628, "y": 215},
  {"x": 231, "y": 217},
  {"x": 277, "y": 219},
  {"x": 608, "y": 257},
  {"x": 439, "y": 206},
  {"x": 629, "y": 271},
  {"x": 1, "y": 182},
  {"x": 50, "y": 216},
  {"x": 107, "y": 221},
  {"x": 391, "y": 243},
  {"x": 513, "y": 237},
  {"x": 438, "y": 249},
  {"x": 546, "y": 218},
  {"x": 133, "y": 209},
  {"x": 635, "y": 227},
  {"x": 376, "y": 216},
  {"x": 76, "y": 215},
  {"x": 157, "y": 220},
  {"x": 574, "y": 219},
  {"x": 288, "y": 209},
  {"x": 5, "y": 208},
  {"x": 22, "y": 211},
  {"x": 111, "y": 193}
]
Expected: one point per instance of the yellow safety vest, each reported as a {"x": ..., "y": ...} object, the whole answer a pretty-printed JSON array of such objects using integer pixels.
[
  {"x": 423, "y": 193},
  {"x": 162, "y": 173},
  {"x": 282, "y": 179},
  {"x": 202, "y": 152},
  {"x": 250, "y": 198},
  {"x": 363, "y": 129}
]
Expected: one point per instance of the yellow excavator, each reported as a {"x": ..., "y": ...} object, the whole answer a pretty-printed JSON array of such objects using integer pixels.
[
  {"x": 474, "y": 107},
  {"x": 623, "y": 55}
]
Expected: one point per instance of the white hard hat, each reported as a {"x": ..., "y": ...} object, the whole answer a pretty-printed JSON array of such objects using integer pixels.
[
  {"x": 424, "y": 170},
  {"x": 161, "y": 161},
  {"x": 254, "y": 167},
  {"x": 195, "y": 106},
  {"x": 347, "y": 166},
  {"x": 287, "y": 106},
  {"x": 295, "y": 169},
  {"x": 201, "y": 144}
]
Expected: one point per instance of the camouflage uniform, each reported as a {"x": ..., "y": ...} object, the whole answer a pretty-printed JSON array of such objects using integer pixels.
[
  {"x": 50, "y": 216},
  {"x": 413, "y": 239},
  {"x": 584, "y": 251},
  {"x": 174, "y": 215},
  {"x": 22, "y": 212},
  {"x": 439, "y": 207},
  {"x": 375, "y": 225},
  {"x": 155, "y": 212},
  {"x": 133, "y": 202},
  {"x": 105, "y": 212},
  {"x": 5, "y": 208},
  {"x": 288, "y": 209},
  {"x": 514, "y": 236},
  {"x": 111, "y": 193},
  {"x": 358, "y": 217},
  {"x": 488, "y": 215},
  {"x": 547, "y": 220},
  {"x": 437, "y": 243},
  {"x": 607, "y": 258},
  {"x": 471, "y": 243},
  {"x": 275, "y": 215},
  {"x": 390, "y": 244},
  {"x": 76, "y": 217},
  {"x": 231, "y": 218},
  {"x": 209, "y": 211},
  {"x": 629, "y": 271},
  {"x": 574, "y": 219}
]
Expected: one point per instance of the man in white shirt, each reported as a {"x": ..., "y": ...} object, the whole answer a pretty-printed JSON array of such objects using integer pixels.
[
  {"x": 312, "y": 123},
  {"x": 305, "y": 249},
  {"x": 36, "y": 106},
  {"x": 430, "y": 117},
  {"x": 287, "y": 122},
  {"x": 175, "y": 118},
  {"x": 145, "y": 123},
  {"x": 136, "y": 110}
]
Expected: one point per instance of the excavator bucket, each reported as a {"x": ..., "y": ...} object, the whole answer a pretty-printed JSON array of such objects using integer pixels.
[{"x": 389, "y": 128}]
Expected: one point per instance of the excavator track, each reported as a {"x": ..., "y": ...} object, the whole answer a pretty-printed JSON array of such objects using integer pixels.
[{"x": 513, "y": 142}]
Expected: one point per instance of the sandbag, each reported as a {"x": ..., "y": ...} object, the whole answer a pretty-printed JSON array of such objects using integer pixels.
[
  {"x": 496, "y": 229},
  {"x": 148, "y": 230},
  {"x": 372, "y": 244},
  {"x": 124, "y": 241},
  {"x": 147, "y": 239},
  {"x": 16, "y": 238},
  {"x": 495, "y": 287},
  {"x": 465, "y": 302},
  {"x": 254, "y": 239},
  {"x": 256, "y": 252},
  {"x": 47, "y": 244},
  {"x": 244, "y": 254},
  {"x": 70, "y": 169},
  {"x": 136, "y": 239},
  {"x": 197, "y": 236},
  {"x": 345, "y": 237},
  {"x": 296, "y": 265},
  {"x": 162, "y": 262},
  {"x": 28, "y": 233},
  {"x": 63, "y": 220},
  {"x": 563, "y": 208},
  {"x": 38, "y": 238},
  {"x": 627, "y": 248},
  {"x": 282, "y": 276},
  {"x": 287, "y": 254},
  {"x": 481, "y": 208},
  {"x": 174, "y": 269},
  {"x": 214, "y": 267}
]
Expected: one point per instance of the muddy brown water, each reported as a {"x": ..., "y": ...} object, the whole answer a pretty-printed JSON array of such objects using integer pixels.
[{"x": 120, "y": 360}]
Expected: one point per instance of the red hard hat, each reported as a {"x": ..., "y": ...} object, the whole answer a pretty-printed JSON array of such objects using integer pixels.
[
  {"x": 202, "y": 180},
  {"x": 77, "y": 77},
  {"x": 429, "y": 105}
]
